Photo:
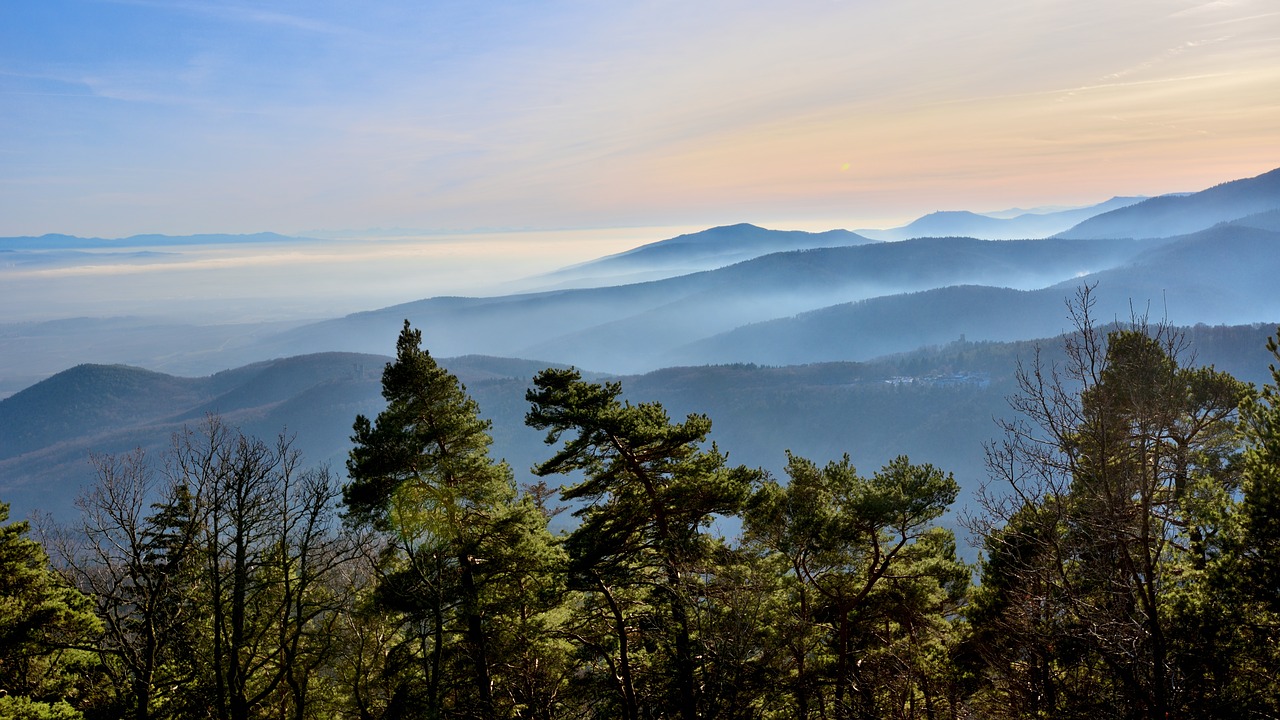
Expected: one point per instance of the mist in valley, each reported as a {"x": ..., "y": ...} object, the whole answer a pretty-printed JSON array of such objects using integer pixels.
[{"x": 788, "y": 340}]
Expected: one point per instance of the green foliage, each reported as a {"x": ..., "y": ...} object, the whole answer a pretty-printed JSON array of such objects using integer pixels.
[
  {"x": 43, "y": 623},
  {"x": 870, "y": 583},
  {"x": 1103, "y": 587},
  {"x": 1256, "y": 574},
  {"x": 652, "y": 491},
  {"x": 1129, "y": 564},
  {"x": 1261, "y": 423},
  {"x": 24, "y": 708},
  {"x": 468, "y": 563}
]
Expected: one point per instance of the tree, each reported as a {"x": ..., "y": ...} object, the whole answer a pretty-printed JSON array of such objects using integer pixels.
[
  {"x": 267, "y": 547},
  {"x": 1261, "y": 463},
  {"x": 467, "y": 558},
  {"x": 45, "y": 624},
  {"x": 217, "y": 577},
  {"x": 137, "y": 561},
  {"x": 651, "y": 492},
  {"x": 1111, "y": 503},
  {"x": 870, "y": 579},
  {"x": 1256, "y": 576}
]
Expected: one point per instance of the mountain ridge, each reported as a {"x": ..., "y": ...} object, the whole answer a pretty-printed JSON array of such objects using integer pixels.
[
  {"x": 694, "y": 252},
  {"x": 1022, "y": 226},
  {"x": 922, "y": 403},
  {"x": 1171, "y": 215}
]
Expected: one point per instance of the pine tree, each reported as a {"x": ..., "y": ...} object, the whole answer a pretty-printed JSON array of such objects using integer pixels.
[
  {"x": 1113, "y": 511},
  {"x": 651, "y": 492},
  {"x": 44, "y": 626},
  {"x": 468, "y": 559},
  {"x": 871, "y": 582}
]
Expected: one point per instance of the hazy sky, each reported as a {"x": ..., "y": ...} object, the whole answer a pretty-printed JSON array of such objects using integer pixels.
[{"x": 179, "y": 116}]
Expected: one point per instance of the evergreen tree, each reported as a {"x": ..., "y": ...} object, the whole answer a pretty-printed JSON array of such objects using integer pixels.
[
  {"x": 1257, "y": 574},
  {"x": 871, "y": 581},
  {"x": 1261, "y": 424},
  {"x": 468, "y": 560},
  {"x": 45, "y": 624},
  {"x": 651, "y": 492},
  {"x": 1113, "y": 512}
]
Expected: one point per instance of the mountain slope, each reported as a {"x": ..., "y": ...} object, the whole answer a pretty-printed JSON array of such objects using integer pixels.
[
  {"x": 1171, "y": 215},
  {"x": 1022, "y": 226},
  {"x": 694, "y": 252},
  {"x": 630, "y": 328},
  {"x": 49, "y": 430},
  {"x": 1222, "y": 275},
  {"x": 934, "y": 405},
  {"x": 783, "y": 284}
]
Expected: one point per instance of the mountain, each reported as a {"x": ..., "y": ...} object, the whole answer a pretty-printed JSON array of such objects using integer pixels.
[
  {"x": 633, "y": 328},
  {"x": 1222, "y": 275},
  {"x": 49, "y": 430},
  {"x": 693, "y": 252},
  {"x": 934, "y": 404},
  {"x": 1024, "y": 225},
  {"x": 783, "y": 284},
  {"x": 704, "y": 316},
  {"x": 1171, "y": 215}
]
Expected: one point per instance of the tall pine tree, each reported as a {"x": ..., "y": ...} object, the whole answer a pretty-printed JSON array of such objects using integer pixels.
[{"x": 468, "y": 559}]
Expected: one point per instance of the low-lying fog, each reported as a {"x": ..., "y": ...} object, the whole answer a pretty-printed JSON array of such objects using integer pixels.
[{"x": 239, "y": 282}]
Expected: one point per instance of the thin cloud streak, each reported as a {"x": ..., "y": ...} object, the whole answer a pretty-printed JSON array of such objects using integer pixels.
[
  {"x": 229, "y": 12},
  {"x": 464, "y": 116}
]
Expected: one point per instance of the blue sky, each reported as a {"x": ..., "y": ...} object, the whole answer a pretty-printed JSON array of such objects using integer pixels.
[{"x": 131, "y": 116}]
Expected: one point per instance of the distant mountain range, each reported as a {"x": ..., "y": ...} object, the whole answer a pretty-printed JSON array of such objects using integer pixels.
[
  {"x": 695, "y": 252},
  {"x": 1021, "y": 226},
  {"x": 984, "y": 289},
  {"x": 634, "y": 328},
  {"x": 836, "y": 316},
  {"x": 1182, "y": 214},
  {"x": 934, "y": 404},
  {"x": 1222, "y": 275},
  {"x": 856, "y": 302}
]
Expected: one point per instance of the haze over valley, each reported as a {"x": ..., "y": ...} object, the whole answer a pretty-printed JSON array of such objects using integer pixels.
[
  {"x": 656, "y": 361},
  {"x": 821, "y": 342}
]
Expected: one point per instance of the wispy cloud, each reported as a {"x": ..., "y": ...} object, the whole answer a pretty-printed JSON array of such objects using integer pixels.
[
  {"x": 234, "y": 116},
  {"x": 241, "y": 14}
]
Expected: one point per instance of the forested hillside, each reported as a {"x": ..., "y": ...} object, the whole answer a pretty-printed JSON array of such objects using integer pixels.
[
  {"x": 905, "y": 507},
  {"x": 937, "y": 404},
  {"x": 1129, "y": 564}
]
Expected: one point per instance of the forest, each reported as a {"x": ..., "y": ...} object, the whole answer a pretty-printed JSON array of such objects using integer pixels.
[{"x": 1129, "y": 564}]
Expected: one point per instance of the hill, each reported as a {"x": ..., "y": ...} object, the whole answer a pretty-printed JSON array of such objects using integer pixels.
[
  {"x": 1221, "y": 275},
  {"x": 935, "y": 404},
  {"x": 693, "y": 252},
  {"x": 1023, "y": 225},
  {"x": 634, "y": 328},
  {"x": 1171, "y": 215},
  {"x": 858, "y": 298}
]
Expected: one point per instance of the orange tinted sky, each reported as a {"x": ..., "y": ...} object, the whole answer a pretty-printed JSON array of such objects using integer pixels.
[{"x": 189, "y": 116}]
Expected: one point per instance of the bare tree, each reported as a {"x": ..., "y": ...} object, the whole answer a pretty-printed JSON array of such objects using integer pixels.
[
  {"x": 221, "y": 577},
  {"x": 1092, "y": 518}
]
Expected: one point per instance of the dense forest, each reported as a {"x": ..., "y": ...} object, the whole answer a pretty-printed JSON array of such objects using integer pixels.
[{"x": 1130, "y": 564}]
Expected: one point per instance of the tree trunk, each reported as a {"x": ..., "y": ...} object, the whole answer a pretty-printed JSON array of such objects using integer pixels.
[{"x": 476, "y": 636}]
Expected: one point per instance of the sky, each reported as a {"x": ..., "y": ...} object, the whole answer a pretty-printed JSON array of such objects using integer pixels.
[{"x": 120, "y": 117}]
